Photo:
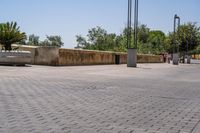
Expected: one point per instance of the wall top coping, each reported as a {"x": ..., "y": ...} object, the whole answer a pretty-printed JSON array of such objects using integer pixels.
[
  {"x": 24, "y": 46},
  {"x": 98, "y": 51},
  {"x": 16, "y": 51}
]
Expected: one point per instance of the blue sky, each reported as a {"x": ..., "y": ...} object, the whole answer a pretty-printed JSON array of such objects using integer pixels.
[{"x": 69, "y": 18}]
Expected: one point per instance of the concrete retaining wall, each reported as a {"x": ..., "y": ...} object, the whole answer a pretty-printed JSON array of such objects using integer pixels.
[
  {"x": 15, "y": 57},
  {"x": 150, "y": 59},
  {"x": 87, "y": 57},
  {"x": 67, "y": 57},
  {"x": 27, "y": 48},
  {"x": 47, "y": 56}
]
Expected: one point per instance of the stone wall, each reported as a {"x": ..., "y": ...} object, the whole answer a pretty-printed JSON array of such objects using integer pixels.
[
  {"x": 150, "y": 59},
  {"x": 196, "y": 56},
  {"x": 87, "y": 57},
  {"x": 67, "y": 57}
]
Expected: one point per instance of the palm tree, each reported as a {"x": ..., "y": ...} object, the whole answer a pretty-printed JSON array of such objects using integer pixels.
[{"x": 9, "y": 34}]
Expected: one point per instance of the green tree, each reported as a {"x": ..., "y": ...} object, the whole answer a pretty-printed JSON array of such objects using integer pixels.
[
  {"x": 99, "y": 39},
  {"x": 9, "y": 34},
  {"x": 154, "y": 42},
  {"x": 124, "y": 36},
  {"x": 168, "y": 42},
  {"x": 157, "y": 40},
  {"x": 121, "y": 43},
  {"x": 96, "y": 34},
  {"x": 143, "y": 33},
  {"x": 33, "y": 40},
  {"x": 52, "y": 41},
  {"x": 187, "y": 37},
  {"x": 81, "y": 41}
]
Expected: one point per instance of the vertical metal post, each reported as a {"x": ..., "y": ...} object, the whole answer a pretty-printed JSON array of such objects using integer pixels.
[
  {"x": 179, "y": 22},
  {"x": 129, "y": 23},
  {"x": 132, "y": 52},
  {"x": 189, "y": 43},
  {"x": 187, "y": 48},
  {"x": 130, "y": 27},
  {"x": 174, "y": 41},
  {"x": 136, "y": 24},
  {"x": 175, "y": 47},
  {"x": 127, "y": 32}
]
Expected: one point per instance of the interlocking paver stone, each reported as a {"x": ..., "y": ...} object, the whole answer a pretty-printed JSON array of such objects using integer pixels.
[{"x": 153, "y": 98}]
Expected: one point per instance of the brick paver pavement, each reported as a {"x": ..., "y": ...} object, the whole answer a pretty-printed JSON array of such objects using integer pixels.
[{"x": 154, "y": 98}]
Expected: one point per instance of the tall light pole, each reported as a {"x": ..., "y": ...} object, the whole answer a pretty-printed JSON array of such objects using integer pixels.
[
  {"x": 129, "y": 21},
  {"x": 175, "y": 45},
  {"x": 132, "y": 51},
  {"x": 189, "y": 48},
  {"x": 136, "y": 24}
]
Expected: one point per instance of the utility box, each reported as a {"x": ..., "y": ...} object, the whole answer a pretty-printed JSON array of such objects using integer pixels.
[
  {"x": 175, "y": 59},
  {"x": 188, "y": 59}
]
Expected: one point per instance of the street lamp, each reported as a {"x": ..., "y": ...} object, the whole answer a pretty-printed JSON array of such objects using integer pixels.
[
  {"x": 189, "y": 48},
  {"x": 175, "y": 47},
  {"x": 132, "y": 51}
]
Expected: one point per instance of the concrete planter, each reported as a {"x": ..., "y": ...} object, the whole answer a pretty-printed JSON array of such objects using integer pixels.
[
  {"x": 132, "y": 58},
  {"x": 15, "y": 57}
]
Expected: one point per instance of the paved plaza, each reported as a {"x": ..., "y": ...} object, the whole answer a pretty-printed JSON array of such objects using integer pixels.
[{"x": 153, "y": 98}]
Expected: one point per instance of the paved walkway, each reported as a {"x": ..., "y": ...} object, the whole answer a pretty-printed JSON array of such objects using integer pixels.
[{"x": 154, "y": 98}]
